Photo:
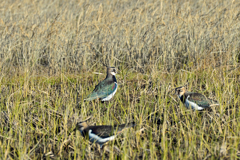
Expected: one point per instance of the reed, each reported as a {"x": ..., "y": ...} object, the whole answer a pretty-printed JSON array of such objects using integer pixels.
[{"x": 50, "y": 53}]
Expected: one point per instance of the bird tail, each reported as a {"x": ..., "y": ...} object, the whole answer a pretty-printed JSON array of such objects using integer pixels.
[
  {"x": 127, "y": 125},
  {"x": 214, "y": 104},
  {"x": 132, "y": 124}
]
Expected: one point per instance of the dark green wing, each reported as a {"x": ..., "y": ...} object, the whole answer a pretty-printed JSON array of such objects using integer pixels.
[
  {"x": 102, "y": 90},
  {"x": 102, "y": 131},
  {"x": 199, "y": 99},
  {"x": 107, "y": 131}
]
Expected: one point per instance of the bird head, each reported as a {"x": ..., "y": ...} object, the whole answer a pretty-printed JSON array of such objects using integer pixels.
[
  {"x": 112, "y": 71},
  {"x": 180, "y": 91},
  {"x": 82, "y": 125}
]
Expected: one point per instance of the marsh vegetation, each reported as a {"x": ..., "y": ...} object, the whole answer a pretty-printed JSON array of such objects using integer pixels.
[{"x": 51, "y": 54}]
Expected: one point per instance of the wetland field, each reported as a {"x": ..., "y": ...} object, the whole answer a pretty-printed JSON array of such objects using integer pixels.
[{"x": 53, "y": 53}]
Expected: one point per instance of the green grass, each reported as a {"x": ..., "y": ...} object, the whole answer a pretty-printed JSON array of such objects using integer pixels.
[
  {"x": 50, "y": 52},
  {"x": 42, "y": 117}
]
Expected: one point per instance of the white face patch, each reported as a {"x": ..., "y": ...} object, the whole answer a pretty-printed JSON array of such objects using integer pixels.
[
  {"x": 113, "y": 73},
  {"x": 181, "y": 92},
  {"x": 82, "y": 128}
]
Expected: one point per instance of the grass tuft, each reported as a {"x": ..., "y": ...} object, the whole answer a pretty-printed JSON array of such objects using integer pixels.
[{"x": 51, "y": 54}]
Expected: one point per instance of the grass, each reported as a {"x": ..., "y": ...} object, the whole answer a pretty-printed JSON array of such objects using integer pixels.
[{"x": 50, "y": 54}]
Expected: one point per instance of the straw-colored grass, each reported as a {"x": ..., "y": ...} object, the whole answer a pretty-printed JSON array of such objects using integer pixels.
[{"x": 50, "y": 52}]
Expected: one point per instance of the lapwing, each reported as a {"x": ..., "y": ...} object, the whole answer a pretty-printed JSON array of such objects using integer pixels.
[
  {"x": 195, "y": 101},
  {"x": 106, "y": 89},
  {"x": 101, "y": 134}
]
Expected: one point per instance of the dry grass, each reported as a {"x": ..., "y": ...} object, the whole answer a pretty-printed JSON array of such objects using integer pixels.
[{"x": 49, "y": 51}]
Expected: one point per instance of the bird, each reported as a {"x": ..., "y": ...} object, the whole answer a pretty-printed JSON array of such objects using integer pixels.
[
  {"x": 106, "y": 89},
  {"x": 196, "y": 101},
  {"x": 102, "y": 134}
]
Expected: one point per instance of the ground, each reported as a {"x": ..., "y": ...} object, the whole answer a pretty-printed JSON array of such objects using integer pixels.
[{"x": 54, "y": 53}]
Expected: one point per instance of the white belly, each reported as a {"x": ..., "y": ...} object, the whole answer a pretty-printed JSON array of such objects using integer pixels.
[
  {"x": 95, "y": 138},
  {"x": 193, "y": 105},
  {"x": 110, "y": 96}
]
